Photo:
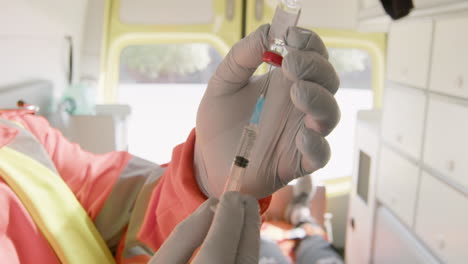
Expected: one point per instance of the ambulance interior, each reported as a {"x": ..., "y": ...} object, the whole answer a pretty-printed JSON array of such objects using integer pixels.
[{"x": 110, "y": 73}]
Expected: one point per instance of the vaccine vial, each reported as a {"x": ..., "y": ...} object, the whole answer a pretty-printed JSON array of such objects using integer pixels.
[{"x": 286, "y": 15}]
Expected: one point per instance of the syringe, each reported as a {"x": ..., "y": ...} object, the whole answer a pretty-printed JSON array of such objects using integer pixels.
[
  {"x": 286, "y": 15},
  {"x": 241, "y": 160}
]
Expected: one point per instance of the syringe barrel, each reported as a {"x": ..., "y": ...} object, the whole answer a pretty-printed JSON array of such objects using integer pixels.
[
  {"x": 234, "y": 182},
  {"x": 241, "y": 160},
  {"x": 249, "y": 135}
]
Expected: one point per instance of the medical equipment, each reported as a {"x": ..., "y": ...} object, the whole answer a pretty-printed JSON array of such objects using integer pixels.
[{"x": 286, "y": 15}]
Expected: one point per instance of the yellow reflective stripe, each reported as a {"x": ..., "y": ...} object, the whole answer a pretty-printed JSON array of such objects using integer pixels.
[
  {"x": 55, "y": 209},
  {"x": 17, "y": 123}
]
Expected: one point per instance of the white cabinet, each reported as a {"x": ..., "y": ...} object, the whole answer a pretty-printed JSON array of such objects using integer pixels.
[
  {"x": 362, "y": 198},
  {"x": 442, "y": 217},
  {"x": 446, "y": 143},
  {"x": 397, "y": 184},
  {"x": 450, "y": 57},
  {"x": 422, "y": 175},
  {"x": 394, "y": 244},
  {"x": 409, "y": 52},
  {"x": 403, "y": 118}
]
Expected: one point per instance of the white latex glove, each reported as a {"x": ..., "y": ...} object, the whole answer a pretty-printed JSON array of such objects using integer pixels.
[
  {"x": 231, "y": 235},
  {"x": 299, "y": 111}
]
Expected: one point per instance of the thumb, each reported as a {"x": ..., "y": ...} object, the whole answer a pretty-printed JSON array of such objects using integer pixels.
[
  {"x": 186, "y": 236},
  {"x": 249, "y": 243},
  {"x": 240, "y": 63}
]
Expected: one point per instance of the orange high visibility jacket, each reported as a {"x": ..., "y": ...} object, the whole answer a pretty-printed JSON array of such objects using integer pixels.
[
  {"x": 134, "y": 204},
  {"x": 114, "y": 189}
]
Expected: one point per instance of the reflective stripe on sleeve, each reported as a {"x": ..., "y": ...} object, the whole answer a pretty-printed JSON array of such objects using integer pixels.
[
  {"x": 121, "y": 204},
  {"x": 54, "y": 208}
]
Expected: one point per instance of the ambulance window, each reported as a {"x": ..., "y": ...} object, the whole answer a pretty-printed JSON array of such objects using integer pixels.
[
  {"x": 163, "y": 84},
  {"x": 354, "y": 66},
  {"x": 168, "y": 63}
]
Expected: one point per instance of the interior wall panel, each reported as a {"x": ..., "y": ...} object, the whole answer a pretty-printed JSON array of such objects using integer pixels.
[{"x": 35, "y": 40}]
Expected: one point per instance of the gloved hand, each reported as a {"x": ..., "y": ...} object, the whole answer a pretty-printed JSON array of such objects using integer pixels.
[
  {"x": 231, "y": 235},
  {"x": 299, "y": 111}
]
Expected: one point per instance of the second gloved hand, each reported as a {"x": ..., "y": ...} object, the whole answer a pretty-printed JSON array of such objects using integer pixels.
[
  {"x": 299, "y": 111},
  {"x": 230, "y": 235}
]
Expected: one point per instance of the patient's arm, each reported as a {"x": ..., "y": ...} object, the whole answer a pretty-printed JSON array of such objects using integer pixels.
[
  {"x": 124, "y": 194},
  {"x": 107, "y": 185},
  {"x": 91, "y": 177}
]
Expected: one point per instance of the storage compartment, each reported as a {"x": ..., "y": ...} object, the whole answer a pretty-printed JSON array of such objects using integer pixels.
[
  {"x": 446, "y": 143},
  {"x": 450, "y": 57},
  {"x": 409, "y": 44},
  {"x": 394, "y": 244},
  {"x": 403, "y": 118},
  {"x": 442, "y": 217},
  {"x": 397, "y": 184}
]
